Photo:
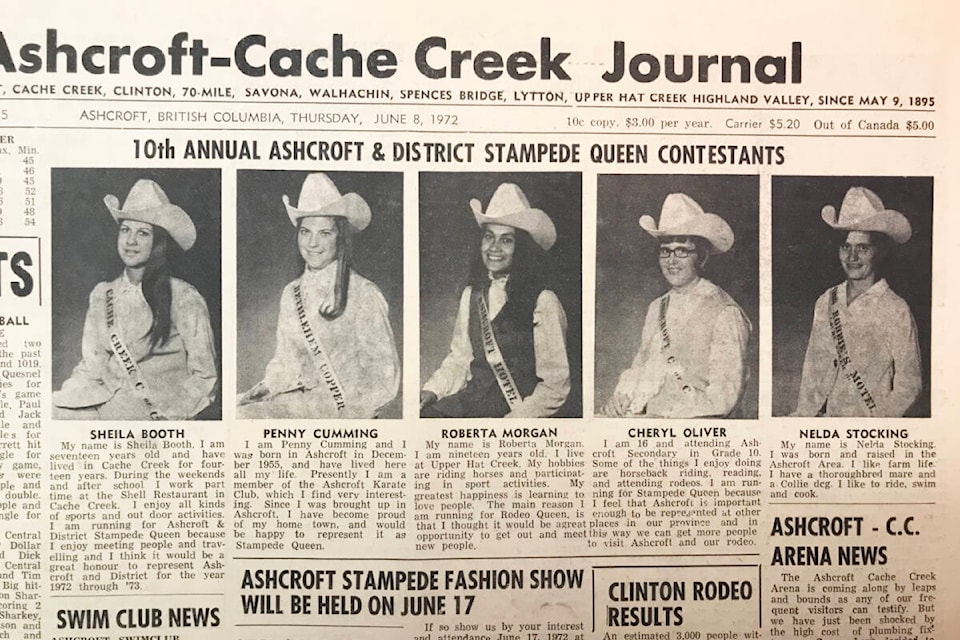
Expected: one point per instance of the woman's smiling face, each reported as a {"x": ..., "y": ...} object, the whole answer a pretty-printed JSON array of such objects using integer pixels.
[
  {"x": 135, "y": 243},
  {"x": 317, "y": 241},
  {"x": 497, "y": 245},
  {"x": 679, "y": 271},
  {"x": 858, "y": 254}
]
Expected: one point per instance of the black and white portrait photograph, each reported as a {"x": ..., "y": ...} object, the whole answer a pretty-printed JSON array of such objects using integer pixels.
[
  {"x": 677, "y": 296},
  {"x": 500, "y": 295},
  {"x": 136, "y": 294},
  {"x": 851, "y": 296},
  {"x": 319, "y": 294}
]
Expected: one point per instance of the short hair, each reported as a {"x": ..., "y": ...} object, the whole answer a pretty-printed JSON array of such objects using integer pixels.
[
  {"x": 884, "y": 245},
  {"x": 701, "y": 246}
]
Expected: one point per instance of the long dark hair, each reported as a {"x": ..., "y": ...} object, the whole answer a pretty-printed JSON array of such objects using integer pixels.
[
  {"x": 156, "y": 287},
  {"x": 342, "y": 284},
  {"x": 530, "y": 273}
]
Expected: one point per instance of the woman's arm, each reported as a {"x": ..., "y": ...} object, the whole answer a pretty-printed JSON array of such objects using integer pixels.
[
  {"x": 192, "y": 320},
  {"x": 819, "y": 363},
  {"x": 644, "y": 378},
  {"x": 905, "y": 348},
  {"x": 85, "y": 387},
  {"x": 454, "y": 372},
  {"x": 284, "y": 371},
  {"x": 553, "y": 369},
  {"x": 725, "y": 374},
  {"x": 377, "y": 358}
]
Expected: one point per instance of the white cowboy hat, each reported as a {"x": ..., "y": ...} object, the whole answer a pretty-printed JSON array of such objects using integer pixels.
[
  {"x": 320, "y": 197},
  {"x": 680, "y": 215},
  {"x": 147, "y": 202},
  {"x": 862, "y": 210},
  {"x": 510, "y": 207}
]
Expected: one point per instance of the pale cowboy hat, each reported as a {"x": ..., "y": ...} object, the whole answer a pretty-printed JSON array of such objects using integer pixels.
[
  {"x": 510, "y": 207},
  {"x": 680, "y": 215},
  {"x": 862, "y": 210},
  {"x": 147, "y": 202},
  {"x": 320, "y": 197}
]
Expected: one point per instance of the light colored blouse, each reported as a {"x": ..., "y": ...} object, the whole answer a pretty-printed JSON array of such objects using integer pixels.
[
  {"x": 359, "y": 345},
  {"x": 181, "y": 374},
  {"x": 549, "y": 346},
  {"x": 700, "y": 381},
  {"x": 880, "y": 335}
]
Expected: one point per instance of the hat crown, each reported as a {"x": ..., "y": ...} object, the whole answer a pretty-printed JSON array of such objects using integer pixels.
[
  {"x": 677, "y": 209},
  {"x": 859, "y": 203},
  {"x": 681, "y": 215},
  {"x": 145, "y": 194},
  {"x": 317, "y": 192},
  {"x": 507, "y": 199},
  {"x": 862, "y": 210}
]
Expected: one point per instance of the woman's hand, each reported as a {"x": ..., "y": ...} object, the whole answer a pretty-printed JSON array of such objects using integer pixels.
[
  {"x": 618, "y": 406},
  {"x": 256, "y": 393},
  {"x": 327, "y": 304},
  {"x": 427, "y": 398}
]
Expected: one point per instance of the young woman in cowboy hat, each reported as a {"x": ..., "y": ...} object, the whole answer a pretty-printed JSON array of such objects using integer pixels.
[
  {"x": 508, "y": 355},
  {"x": 863, "y": 356},
  {"x": 148, "y": 348},
  {"x": 694, "y": 338},
  {"x": 335, "y": 355}
]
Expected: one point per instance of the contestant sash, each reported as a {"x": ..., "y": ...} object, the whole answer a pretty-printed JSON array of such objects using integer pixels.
[
  {"x": 127, "y": 361},
  {"x": 847, "y": 368},
  {"x": 494, "y": 356},
  {"x": 320, "y": 359},
  {"x": 674, "y": 368}
]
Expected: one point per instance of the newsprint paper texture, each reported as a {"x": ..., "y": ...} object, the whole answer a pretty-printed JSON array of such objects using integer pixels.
[{"x": 508, "y": 321}]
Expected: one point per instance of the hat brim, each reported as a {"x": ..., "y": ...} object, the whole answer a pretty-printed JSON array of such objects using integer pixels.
[
  {"x": 167, "y": 216},
  {"x": 350, "y": 206},
  {"x": 708, "y": 226},
  {"x": 534, "y": 221},
  {"x": 892, "y": 223}
]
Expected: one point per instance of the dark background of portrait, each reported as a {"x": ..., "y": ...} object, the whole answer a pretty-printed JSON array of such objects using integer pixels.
[
  {"x": 806, "y": 263},
  {"x": 268, "y": 258},
  {"x": 450, "y": 238},
  {"x": 84, "y": 246},
  {"x": 628, "y": 267}
]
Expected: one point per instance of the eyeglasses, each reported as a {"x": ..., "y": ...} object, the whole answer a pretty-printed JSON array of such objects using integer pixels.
[{"x": 680, "y": 252}]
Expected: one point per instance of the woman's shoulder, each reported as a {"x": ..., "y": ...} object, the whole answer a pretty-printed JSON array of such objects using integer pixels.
[
  {"x": 548, "y": 296},
  {"x": 654, "y": 305},
  {"x": 893, "y": 304},
  {"x": 365, "y": 291},
  {"x": 185, "y": 294},
  {"x": 99, "y": 291},
  {"x": 360, "y": 283},
  {"x": 713, "y": 290}
]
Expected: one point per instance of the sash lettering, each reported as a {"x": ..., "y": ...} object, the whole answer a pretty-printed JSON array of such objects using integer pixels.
[
  {"x": 843, "y": 356},
  {"x": 495, "y": 358},
  {"x": 324, "y": 367},
  {"x": 674, "y": 368},
  {"x": 127, "y": 361}
]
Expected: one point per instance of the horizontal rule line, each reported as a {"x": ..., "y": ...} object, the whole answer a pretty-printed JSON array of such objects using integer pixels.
[
  {"x": 854, "y": 504},
  {"x": 138, "y": 595},
  {"x": 330, "y": 626},
  {"x": 470, "y": 133},
  {"x": 549, "y": 105},
  {"x": 442, "y": 559},
  {"x": 675, "y": 566}
]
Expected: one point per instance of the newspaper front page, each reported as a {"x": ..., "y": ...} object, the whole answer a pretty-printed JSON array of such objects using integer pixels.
[{"x": 507, "y": 321}]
